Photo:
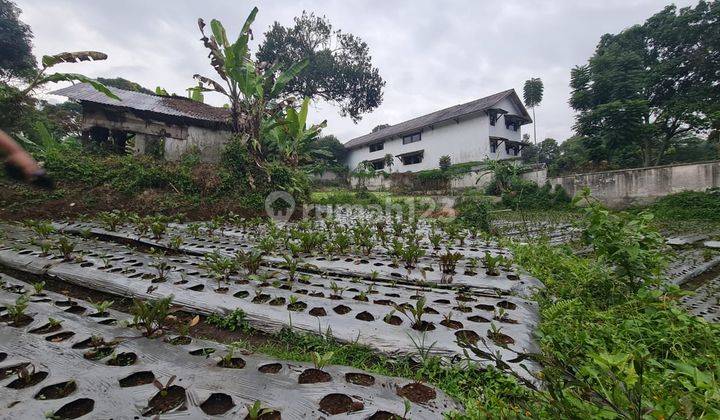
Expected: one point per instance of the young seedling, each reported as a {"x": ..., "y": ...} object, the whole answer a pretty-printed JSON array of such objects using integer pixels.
[
  {"x": 52, "y": 322},
  {"x": 336, "y": 289},
  {"x": 151, "y": 314},
  {"x": 38, "y": 287},
  {"x": 112, "y": 219},
  {"x": 17, "y": 311},
  {"x": 102, "y": 307},
  {"x": 291, "y": 264},
  {"x": 448, "y": 261},
  {"x": 176, "y": 242},
  {"x": 45, "y": 247},
  {"x": 321, "y": 360},
  {"x": 250, "y": 261},
  {"x": 163, "y": 388},
  {"x": 415, "y": 314},
  {"x": 66, "y": 247},
  {"x": 219, "y": 266},
  {"x": 491, "y": 264},
  {"x": 162, "y": 269},
  {"x": 256, "y": 410},
  {"x": 158, "y": 229}
]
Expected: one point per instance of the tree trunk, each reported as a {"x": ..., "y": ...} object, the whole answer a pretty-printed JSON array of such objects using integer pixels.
[{"x": 534, "y": 127}]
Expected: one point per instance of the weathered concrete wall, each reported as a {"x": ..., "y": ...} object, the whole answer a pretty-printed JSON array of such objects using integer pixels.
[
  {"x": 209, "y": 142},
  {"x": 628, "y": 187}
]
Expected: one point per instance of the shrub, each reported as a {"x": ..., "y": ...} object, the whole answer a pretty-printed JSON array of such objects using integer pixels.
[
  {"x": 689, "y": 205},
  {"x": 444, "y": 163},
  {"x": 527, "y": 195},
  {"x": 473, "y": 211}
]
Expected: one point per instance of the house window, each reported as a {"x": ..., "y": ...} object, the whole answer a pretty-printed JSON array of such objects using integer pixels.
[
  {"x": 412, "y": 159},
  {"x": 411, "y": 138},
  {"x": 377, "y": 146},
  {"x": 493, "y": 146},
  {"x": 511, "y": 150},
  {"x": 378, "y": 165}
]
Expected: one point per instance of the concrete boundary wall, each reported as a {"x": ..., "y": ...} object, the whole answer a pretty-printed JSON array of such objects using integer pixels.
[{"x": 627, "y": 187}]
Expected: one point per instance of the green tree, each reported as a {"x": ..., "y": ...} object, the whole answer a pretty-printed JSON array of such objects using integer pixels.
[
  {"x": 648, "y": 85},
  {"x": 16, "y": 57},
  {"x": 533, "y": 94},
  {"x": 340, "y": 69},
  {"x": 331, "y": 144},
  {"x": 549, "y": 151}
]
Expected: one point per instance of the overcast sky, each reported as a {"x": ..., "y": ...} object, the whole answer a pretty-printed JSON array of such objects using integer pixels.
[{"x": 431, "y": 54}]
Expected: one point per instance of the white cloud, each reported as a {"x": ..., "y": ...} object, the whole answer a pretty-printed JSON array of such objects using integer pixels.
[{"x": 432, "y": 54}]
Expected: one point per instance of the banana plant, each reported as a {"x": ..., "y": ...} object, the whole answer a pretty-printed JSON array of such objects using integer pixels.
[
  {"x": 294, "y": 139},
  {"x": 49, "y": 61},
  {"x": 253, "y": 89}
]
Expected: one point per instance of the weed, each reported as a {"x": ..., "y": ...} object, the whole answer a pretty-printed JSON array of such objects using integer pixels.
[{"x": 235, "y": 320}]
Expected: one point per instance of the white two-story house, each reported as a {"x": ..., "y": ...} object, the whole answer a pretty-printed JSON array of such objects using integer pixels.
[{"x": 484, "y": 128}]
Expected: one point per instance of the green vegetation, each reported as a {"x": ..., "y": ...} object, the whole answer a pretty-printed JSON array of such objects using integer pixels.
[
  {"x": 235, "y": 320},
  {"x": 688, "y": 206}
]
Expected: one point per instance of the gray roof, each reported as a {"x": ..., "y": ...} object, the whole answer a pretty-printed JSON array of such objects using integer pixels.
[
  {"x": 447, "y": 114},
  {"x": 166, "y": 105}
]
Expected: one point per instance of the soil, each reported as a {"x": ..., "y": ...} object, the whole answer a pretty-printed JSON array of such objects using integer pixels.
[
  {"x": 467, "y": 336},
  {"x": 137, "y": 379},
  {"x": 75, "y": 409},
  {"x": 233, "y": 363},
  {"x": 261, "y": 298},
  {"x": 297, "y": 306},
  {"x": 32, "y": 380},
  {"x": 20, "y": 202},
  {"x": 202, "y": 351},
  {"x": 99, "y": 353},
  {"x": 217, "y": 404},
  {"x": 279, "y": 301},
  {"x": 123, "y": 359},
  {"x": 165, "y": 401},
  {"x": 272, "y": 415},
  {"x": 485, "y": 307},
  {"x": 393, "y": 320},
  {"x": 46, "y": 329},
  {"x": 314, "y": 376},
  {"x": 181, "y": 340},
  {"x": 500, "y": 338},
  {"x": 318, "y": 312},
  {"x": 342, "y": 309},
  {"x": 384, "y": 415},
  {"x": 423, "y": 326},
  {"x": 360, "y": 379},
  {"x": 3, "y": 356},
  {"x": 452, "y": 324},
  {"x": 56, "y": 391},
  {"x": 270, "y": 368},
  {"x": 62, "y": 336},
  {"x": 417, "y": 393},
  {"x": 6, "y": 371},
  {"x": 23, "y": 321},
  {"x": 478, "y": 318},
  {"x": 339, "y": 403},
  {"x": 506, "y": 305},
  {"x": 365, "y": 316}
]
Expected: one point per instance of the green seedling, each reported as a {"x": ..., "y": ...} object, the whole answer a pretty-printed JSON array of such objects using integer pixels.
[
  {"x": 321, "y": 360},
  {"x": 66, "y": 247},
  {"x": 38, "y": 287},
  {"x": 151, "y": 314},
  {"x": 257, "y": 410},
  {"x": 17, "y": 311},
  {"x": 163, "y": 388}
]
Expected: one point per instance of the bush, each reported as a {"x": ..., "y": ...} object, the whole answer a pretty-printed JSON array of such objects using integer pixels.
[
  {"x": 473, "y": 211},
  {"x": 527, "y": 195},
  {"x": 689, "y": 205}
]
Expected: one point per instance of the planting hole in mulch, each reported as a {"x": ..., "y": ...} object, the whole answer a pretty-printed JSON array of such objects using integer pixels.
[
  {"x": 99, "y": 353},
  {"x": 32, "y": 380},
  {"x": 217, "y": 404},
  {"x": 500, "y": 338},
  {"x": 3, "y": 356},
  {"x": 452, "y": 324},
  {"x": 47, "y": 328},
  {"x": 467, "y": 337},
  {"x": 56, "y": 391},
  {"x": 61, "y": 336},
  {"x": 417, "y": 393},
  {"x": 87, "y": 343},
  {"x": 386, "y": 302},
  {"x": 339, "y": 403},
  {"x": 262, "y": 298},
  {"x": 207, "y": 351},
  {"x": 278, "y": 301},
  {"x": 271, "y": 415},
  {"x": 104, "y": 314},
  {"x": 76, "y": 309},
  {"x": 165, "y": 401},
  {"x": 384, "y": 415},
  {"x": 6, "y": 371},
  {"x": 221, "y": 290},
  {"x": 22, "y": 321},
  {"x": 197, "y": 288},
  {"x": 513, "y": 277},
  {"x": 442, "y": 301},
  {"x": 75, "y": 409},
  {"x": 242, "y": 294},
  {"x": 65, "y": 303},
  {"x": 392, "y": 320},
  {"x": 318, "y": 312},
  {"x": 360, "y": 379},
  {"x": 109, "y": 321},
  {"x": 123, "y": 359},
  {"x": 180, "y": 340},
  {"x": 314, "y": 376},
  {"x": 297, "y": 306},
  {"x": 138, "y": 378},
  {"x": 365, "y": 316},
  {"x": 270, "y": 368},
  {"x": 464, "y": 309},
  {"x": 431, "y": 311},
  {"x": 485, "y": 307},
  {"x": 423, "y": 326},
  {"x": 478, "y": 318},
  {"x": 342, "y": 309},
  {"x": 506, "y": 305},
  {"x": 232, "y": 363},
  {"x": 506, "y": 320}
]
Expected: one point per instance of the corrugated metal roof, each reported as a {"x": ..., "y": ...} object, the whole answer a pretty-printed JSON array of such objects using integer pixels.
[
  {"x": 166, "y": 105},
  {"x": 436, "y": 117}
]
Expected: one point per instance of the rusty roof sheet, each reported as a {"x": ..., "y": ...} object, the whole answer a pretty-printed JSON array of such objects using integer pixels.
[
  {"x": 436, "y": 117},
  {"x": 167, "y": 105}
]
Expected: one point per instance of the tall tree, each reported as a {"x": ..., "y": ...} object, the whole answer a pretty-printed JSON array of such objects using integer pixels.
[
  {"x": 648, "y": 85},
  {"x": 16, "y": 57},
  {"x": 533, "y": 94},
  {"x": 340, "y": 70}
]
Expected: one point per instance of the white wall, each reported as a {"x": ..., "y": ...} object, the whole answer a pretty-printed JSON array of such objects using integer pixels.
[
  {"x": 466, "y": 141},
  {"x": 209, "y": 142}
]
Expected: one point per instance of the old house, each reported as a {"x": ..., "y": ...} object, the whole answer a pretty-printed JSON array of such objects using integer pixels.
[
  {"x": 486, "y": 128},
  {"x": 164, "y": 126}
]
